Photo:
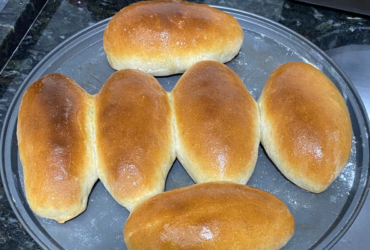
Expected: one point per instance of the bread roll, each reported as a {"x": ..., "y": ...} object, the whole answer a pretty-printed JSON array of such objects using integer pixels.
[
  {"x": 217, "y": 124},
  {"x": 167, "y": 37},
  {"x": 214, "y": 215},
  {"x": 305, "y": 125},
  {"x": 55, "y": 147},
  {"x": 134, "y": 141}
]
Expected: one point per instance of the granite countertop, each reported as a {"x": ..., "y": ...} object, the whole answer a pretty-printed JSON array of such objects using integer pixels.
[{"x": 60, "y": 19}]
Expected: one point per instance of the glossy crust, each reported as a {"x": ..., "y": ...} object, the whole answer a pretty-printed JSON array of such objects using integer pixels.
[
  {"x": 134, "y": 141},
  {"x": 305, "y": 125},
  {"x": 217, "y": 124},
  {"x": 55, "y": 146},
  {"x": 214, "y": 215},
  {"x": 167, "y": 37}
]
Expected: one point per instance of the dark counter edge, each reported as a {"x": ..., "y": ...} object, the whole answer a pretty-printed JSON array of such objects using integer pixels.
[{"x": 15, "y": 20}]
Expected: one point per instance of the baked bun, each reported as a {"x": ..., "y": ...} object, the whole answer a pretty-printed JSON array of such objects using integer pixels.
[
  {"x": 305, "y": 126},
  {"x": 167, "y": 37},
  {"x": 214, "y": 215},
  {"x": 54, "y": 134},
  {"x": 134, "y": 141},
  {"x": 217, "y": 124}
]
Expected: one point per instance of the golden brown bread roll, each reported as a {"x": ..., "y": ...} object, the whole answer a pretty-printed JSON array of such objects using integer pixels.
[
  {"x": 167, "y": 37},
  {"x": 305, "y": 125},
  {"x": 217, "y": 124},
  {"x": 134, "y": 141},
  {"x": 55, "y": 147},
  {"x": 214, "y": 215}
]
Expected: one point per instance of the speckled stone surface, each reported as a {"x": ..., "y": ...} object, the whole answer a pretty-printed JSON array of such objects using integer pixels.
[
  {"x": 60, "y": 19},
  {"x": 15, "y": 19},
  {"x": 267, "y": 8},
  {"x": 324, "y": 27}
]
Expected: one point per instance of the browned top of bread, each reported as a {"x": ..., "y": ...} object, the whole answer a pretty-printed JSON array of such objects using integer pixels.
[
  {"x": 306, "y": 127},
  {"x": 154, "y": 30},
  {"x": 214, "y": 215},
  {"x": 172, "y": 27},
  {"x": 52, "y": 138},
  {"x": 217, "y": 123},
  {"x": 133, "y": 136}
]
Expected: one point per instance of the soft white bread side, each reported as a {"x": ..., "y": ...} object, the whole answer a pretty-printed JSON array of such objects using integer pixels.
[
  {"x": 214, "y": 215},
  {"x": 305, "y": 125},
  {"x": 134, "y": 136},
  {"x": 55, "y": 140},
  {"x": 167, "y": 37},
  {"x": 216, "y": 124}
]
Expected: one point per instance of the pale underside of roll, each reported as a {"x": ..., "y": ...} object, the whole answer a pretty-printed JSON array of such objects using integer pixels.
[
  {"x": 213, "y": 215},
  {"x": 167, "y": 37},
  {"x": 216, "y": 124},
  {"x": 305, "y": 125},
  {"x": 134, "y": 136},
  {"x": 55, "y": 142}
]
